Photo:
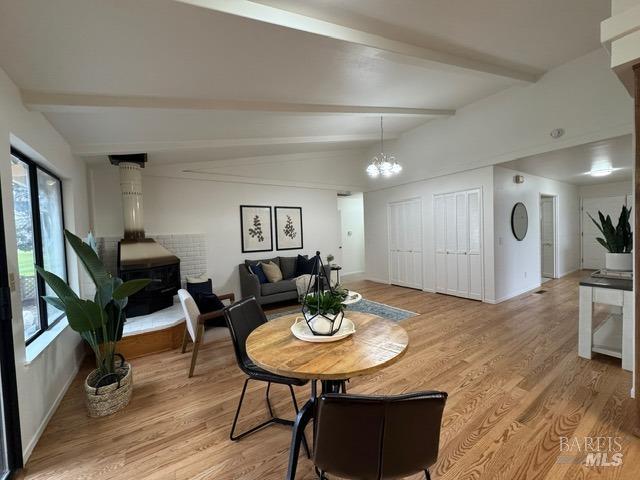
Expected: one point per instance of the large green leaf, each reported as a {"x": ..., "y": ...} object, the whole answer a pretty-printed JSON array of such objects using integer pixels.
[
  {"x": 58, "y": 285},
  {"x": 618, "y": 239},
  {"x": 104, "y": 294},
  {"x": 84, "y": 315},
  {"x": 129, "y": 288},
  {"x": 54, "y": 301},
  {"x": 89, "y": 259}
]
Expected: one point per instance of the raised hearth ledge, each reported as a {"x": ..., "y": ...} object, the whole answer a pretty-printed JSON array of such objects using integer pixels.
[{"x": 160, "y": 320}]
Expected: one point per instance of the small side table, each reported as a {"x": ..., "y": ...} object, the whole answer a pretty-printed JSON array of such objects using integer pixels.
[
  {"x": 336, "y": 268},
  {"x": 614, "y": 336}
]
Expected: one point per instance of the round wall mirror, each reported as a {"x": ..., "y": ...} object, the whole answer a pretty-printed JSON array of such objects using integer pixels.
[{"x": 519, "y": 221}]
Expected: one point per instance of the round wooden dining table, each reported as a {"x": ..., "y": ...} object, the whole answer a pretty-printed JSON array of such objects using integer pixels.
[{"x": 376, "y": 343}]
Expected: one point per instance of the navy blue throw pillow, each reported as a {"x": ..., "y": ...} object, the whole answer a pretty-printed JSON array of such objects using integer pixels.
[
  {"x": 209, "y": 302},
  {"x": 258, "y": 272},
  {"x": 196, "y": 289},
  {"x": 305, "y": 266}
]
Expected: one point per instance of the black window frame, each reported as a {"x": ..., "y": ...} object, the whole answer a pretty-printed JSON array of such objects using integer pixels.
[
  {"x": 9, "y": 386},
  {"x": 33, "y": 166}
]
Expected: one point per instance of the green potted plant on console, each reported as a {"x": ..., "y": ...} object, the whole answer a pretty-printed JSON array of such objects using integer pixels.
[
  {"x": 99, "y": 322},
  {"x": 617, "y": 240}
]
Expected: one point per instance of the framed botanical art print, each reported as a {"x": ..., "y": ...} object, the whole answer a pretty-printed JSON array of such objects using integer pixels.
[
  {"x": 255, "y": 228},
  {"x": 288, "y": 228}
]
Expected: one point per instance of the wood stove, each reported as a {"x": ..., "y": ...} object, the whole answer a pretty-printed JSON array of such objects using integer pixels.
[{"x": 138, "y": 256}]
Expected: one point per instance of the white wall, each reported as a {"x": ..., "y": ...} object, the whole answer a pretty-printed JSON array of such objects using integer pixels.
[
  {"x": 185, "y": 205},
  {"x": 352, "y": 232},
  {"x": 583, "y": 96},
  {"x": 376, "y": 226},
  {"x": 606, "y": 189},
  {"x": 517, "y": 263},
  {"x": 43, "y": 382}
]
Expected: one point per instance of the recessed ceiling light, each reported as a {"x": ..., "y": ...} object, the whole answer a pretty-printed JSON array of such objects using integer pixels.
[{"x": 601, "y": 172}]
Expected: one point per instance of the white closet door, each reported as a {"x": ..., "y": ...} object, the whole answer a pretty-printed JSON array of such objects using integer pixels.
[
  {"x": 462, "y": 244},
  {"x": 475, "y": 244},
  {"x": 415, "y": 243},
  {"x": 451, "y": 244},
  {"x": 440, "y": 243},
  {"x": 405, "y": 244},
  {"x": 458, "y": 244}
]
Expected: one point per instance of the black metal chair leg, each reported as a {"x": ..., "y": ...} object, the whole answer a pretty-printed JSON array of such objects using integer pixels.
[
  {"x": 302, "y": 419},
  {"x": 427, "y": 475},
  {"x": 257, "y": 427},
  {"x": 235, "y": 418},
  {"x": 295, "y": 406},
  {"x": 268, "y": 401},
  {"x": 272, "y": 420}
]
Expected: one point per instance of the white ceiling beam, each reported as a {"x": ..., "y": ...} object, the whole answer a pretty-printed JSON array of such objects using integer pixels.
[
  {"x": 92, "y": 149},
  {"x": 70, "y": 102},
  {"x": 296, "y": 21}
]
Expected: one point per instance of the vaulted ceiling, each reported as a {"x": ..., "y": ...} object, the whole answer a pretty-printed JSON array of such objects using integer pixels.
[{"x": 192, "y": 80}]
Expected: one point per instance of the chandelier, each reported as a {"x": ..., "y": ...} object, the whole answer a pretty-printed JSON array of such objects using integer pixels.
[{"x": 383, "y": 164}]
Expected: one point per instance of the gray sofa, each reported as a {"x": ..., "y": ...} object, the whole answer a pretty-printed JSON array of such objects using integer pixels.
[{"x": 267, "y": 293}]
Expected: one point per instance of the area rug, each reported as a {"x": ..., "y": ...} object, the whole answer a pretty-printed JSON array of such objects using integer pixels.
[{"x": 364, "y": 306}]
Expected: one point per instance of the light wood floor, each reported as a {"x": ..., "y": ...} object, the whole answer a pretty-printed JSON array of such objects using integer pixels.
[{"x": 515, "y": 384}]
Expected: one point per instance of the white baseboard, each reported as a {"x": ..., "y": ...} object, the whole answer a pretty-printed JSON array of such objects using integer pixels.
[
  {"x": 633, "y": 393},
  {"x": 375, "y": 279},
  {"x": 429, "y": 290},
  {"x": 357, "y": 272},
  {"x": 515, "y": 294},
  {"x": 28, "y": 450}
]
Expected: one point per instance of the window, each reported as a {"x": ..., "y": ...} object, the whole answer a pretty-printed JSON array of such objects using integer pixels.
[{"x": 37, "y": 204}]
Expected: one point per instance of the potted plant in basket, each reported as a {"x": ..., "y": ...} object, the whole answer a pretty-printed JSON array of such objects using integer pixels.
[
  {"x": 99, "y": 322},
  {"x": 617, "y": 240}
]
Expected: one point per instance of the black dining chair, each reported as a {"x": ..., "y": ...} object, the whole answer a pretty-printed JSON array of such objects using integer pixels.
[
  {"x": 242, "y": 318},
  {"x": 367, "y": 438}
]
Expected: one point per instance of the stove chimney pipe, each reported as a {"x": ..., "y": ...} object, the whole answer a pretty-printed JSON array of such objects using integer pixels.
[{"x": 131, "y": 186}]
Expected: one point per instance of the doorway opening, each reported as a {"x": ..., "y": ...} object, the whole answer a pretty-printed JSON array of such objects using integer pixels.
[
  {"x": 548, "y": 234},
  {"x": 349, "y": 258}
]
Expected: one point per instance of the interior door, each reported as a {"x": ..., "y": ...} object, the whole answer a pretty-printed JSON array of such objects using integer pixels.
[
  {"x": 451, "y": 244},
  {"x": 474, "y": 208},
  {"x": 405, "y": 244},
  {"x": 462, "y": 243},
  {"x": 592, "y": 252},
  {"x": 547, "y": 236},
  {"x": 440, "y": 243},
  {"x": 458, "y": 244}
]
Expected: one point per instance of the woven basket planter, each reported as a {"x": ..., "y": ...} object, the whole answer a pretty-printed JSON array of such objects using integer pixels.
[{"x": 107, "y": 399}]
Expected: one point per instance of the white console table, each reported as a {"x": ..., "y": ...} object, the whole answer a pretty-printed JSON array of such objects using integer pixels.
[{"x": 614, "y": 336}]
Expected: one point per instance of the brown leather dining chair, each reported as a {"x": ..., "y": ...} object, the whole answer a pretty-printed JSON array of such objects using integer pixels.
[{"x": 375, "y": 438}]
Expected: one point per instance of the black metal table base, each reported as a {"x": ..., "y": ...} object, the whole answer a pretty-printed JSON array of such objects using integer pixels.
[{"x": 305, "y": 415}]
